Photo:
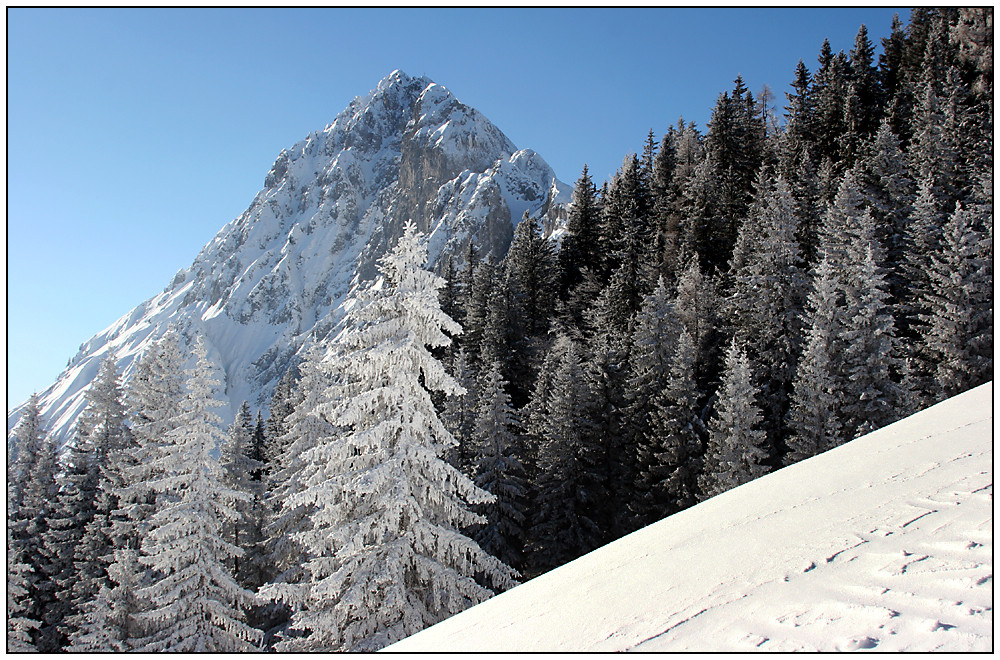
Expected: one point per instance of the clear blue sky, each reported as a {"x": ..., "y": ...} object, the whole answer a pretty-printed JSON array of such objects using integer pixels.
[{"x": 134, "y": 135}]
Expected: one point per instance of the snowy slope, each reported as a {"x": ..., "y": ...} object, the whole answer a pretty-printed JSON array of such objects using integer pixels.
[
  {"x": 884, "y": 543},
  {"x": 331, "y": 206}
]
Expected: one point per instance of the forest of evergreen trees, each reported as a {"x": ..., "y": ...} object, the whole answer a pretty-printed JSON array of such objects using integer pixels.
[{"x": 730, "y": 302}]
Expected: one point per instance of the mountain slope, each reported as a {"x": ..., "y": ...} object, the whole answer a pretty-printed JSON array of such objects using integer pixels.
[
  {"x": 884, "y": 543},
  {"x": 331, "y": 206}
]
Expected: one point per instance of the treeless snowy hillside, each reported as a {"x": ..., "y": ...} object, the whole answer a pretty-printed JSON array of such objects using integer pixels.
[{"x": 884, "y": 543}]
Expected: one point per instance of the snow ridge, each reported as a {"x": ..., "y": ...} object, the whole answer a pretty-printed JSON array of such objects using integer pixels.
[{"x": 331, "y": 205}]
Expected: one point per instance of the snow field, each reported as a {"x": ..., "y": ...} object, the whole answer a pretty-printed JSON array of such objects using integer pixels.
[{"x": 884, "y": 543}]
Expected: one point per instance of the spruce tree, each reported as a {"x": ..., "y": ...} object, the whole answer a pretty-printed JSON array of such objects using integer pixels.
[
  {"x": 958, "y": 331},
  {"x": 768, "y": 298},
  {"x": 19, "y": 626},
  {"x": 286, "y": 518},
  {"x": 31, "y": 505},
  {"x": 653, "y": 345},
  {"x": 284, "y": 399},
  {"x": 670, "y": 482},
  {"x": 386, "y": 554},
  {"x": 499, "y": 471},
  {"x": 563, "y": 527},
  {"x": 193, "y": 603},
  {"x": 737, "y": 450},
  {"x": 605, "y": 372},
  {"x": 109, "y": 624},
  {"x": 870, "y": 359},
  {"x": 579, "y": 247},
  {"x": 245, "y": 529},
  {"x": 459, "y": 415},
  {"x": 72, "y": 514},
  {"x": 889, "y": 193},
  {"x": 99, "y": 460},
  {"x": 698, "y": 306},
  {"x": 153, "y": 400},
  {"x": 814, "y": 417}
]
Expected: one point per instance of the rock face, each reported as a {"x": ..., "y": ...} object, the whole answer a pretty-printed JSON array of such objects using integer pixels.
[{"x": 331, "y": 206}]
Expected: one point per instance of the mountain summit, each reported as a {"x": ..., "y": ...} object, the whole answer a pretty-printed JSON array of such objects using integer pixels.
[{"x": 330, "y": 207}]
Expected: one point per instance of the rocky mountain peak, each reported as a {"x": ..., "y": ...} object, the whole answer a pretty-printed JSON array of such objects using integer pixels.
[{"x": 331, "y": 205}]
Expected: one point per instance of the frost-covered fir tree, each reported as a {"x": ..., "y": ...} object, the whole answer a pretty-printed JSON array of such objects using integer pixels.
[
  {"x": 814, "y": 417},
  {"x": 499, "y": 471},
  {"x": 605, "y": 375},
  {"x": 283, "y": 401},
  {"x": 193, "y": 603},
  {"x": 103, "y": 440},
  {"x": 72, "y": 515},
  {"x": 19, "y": 626},
  {"x": 697, "y": 305},
  {"x": 109, "y": 624},
  {"x": 153, "y": 400},
  {"x": 672, "y": 477},
  {"x": 870, "y": 361},
  {"x": 459, "y": 415},
  {"x": 653, "y": 344},
  {"x": 768, "y": 298},
  {"x": 890, "y": 192},
  {"x": 386, "y": 554},
  {"x": 958, "y": 332},
  {"x": 31, "y": 505},
  {"x": 563, "y": 527},
  {"x": 286, "y": 518},
  {"x": 737, "y": 449},
  {"x": 238, "y": 471}
]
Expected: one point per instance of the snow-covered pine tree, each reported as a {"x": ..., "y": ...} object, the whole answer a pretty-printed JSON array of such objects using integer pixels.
[
  {"x": 568, "y": 483},
  {"x": 678, "y": 453},
  {"x": 530, "y": 270},
  {"x": 284, "y": 399},
  {"x": 72, "y": 514},
  {"x": 814, "y": 417},
  {"x": 532, "y": 421},
  {"x": 459, "y": 415},
  {"x": 19, "y": 626},
  {"x": 579, "y": 246},
  {"x": 244, "y": 530},
  {"x": 285, "y": 555},
  {"x": 922, "y": 240},
  {"x": 499, "y": 471},
  {"x": 108, "y": 624},
  {"x": 605, "y": 373},
  {"x": 737, "y": 449},
  {"x": 105, "y": 441},
  {"x": 654, "y": 342},
  {"x": 30, "y": 509},
  {"x": 153, "y": 400},
  {"x": 386, "y": 554},
  {"x": 839, "y": 227},
  {"x": 125, "y": 502},
  {"x": 193, "y": 603},
  {"x": 769, "y": 292},
  {"x": 958, "y": 331},
  {"x": 24, "y": 446},
  {"x": 890, "y": 193},
  {"x": 870, "y": 358},
  {"x": 477, "y": 308},
  {"x": 698, "y": 307}
]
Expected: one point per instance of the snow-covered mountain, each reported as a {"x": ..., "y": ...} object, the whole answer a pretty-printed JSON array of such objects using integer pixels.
[
  {"x": 331, "y": 206},
  {"x": 884, "y": 543}
]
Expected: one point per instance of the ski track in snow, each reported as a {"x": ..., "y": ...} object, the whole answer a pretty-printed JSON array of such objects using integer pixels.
[{"x": 883, "y": 544}]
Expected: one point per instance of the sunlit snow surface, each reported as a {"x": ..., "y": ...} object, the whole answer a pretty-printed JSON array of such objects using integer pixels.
[{"x": 885, "y": 543}]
